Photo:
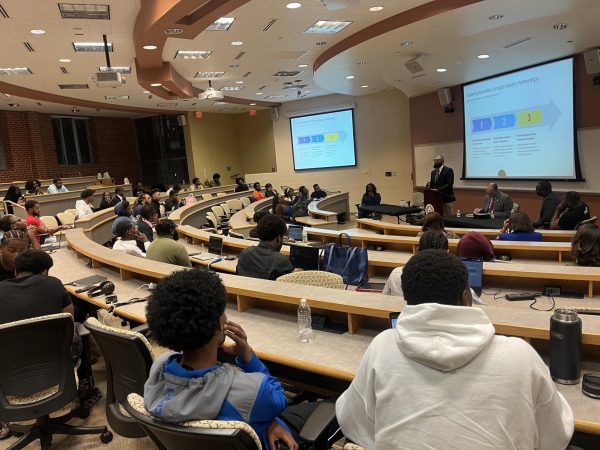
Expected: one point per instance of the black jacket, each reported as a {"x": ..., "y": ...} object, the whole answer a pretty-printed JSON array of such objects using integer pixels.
[{"x": 444, "y": 183}]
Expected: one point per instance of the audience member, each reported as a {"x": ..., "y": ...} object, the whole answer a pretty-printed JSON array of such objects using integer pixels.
[
  {"x": 269, "y": 191},
  {"x": 155, "y": 200},
  {"x": 300, "y": 206},
  {"x": 143, "y": 200},
  {"x": 518, "y": 227},
  {"x": 32, "y": 293},
  {"x": 123, "y": 211},
  {"x": 127, "y": 237},
  {"x": 475, "y": 245},
  {"x": 165, "y": 247},
  {"x": 10, "y": 222},
  {"x": 175, "y": 187},
  {"x": 12, "y": 244},
  {"x": 549, "y": 204},
  {"x": 196, "y": 184},
  {"x": 33, "y": 220},
  {"x": 215, "y": 182},
  {"x": 84, "y": 205},
  {"x": 253, "y": 233},
  {"x": 496, "y": 202},
  {"x": 33, "y": 187},
  {"x": 318, "y": 193},
  {"x": 264, "y": 260},
  {"x": 435, "y": 221},
  {"x": 280, "y": 209},
  {"x": 570, "y": 212},
  {"x": 118, "y": 197},
  {"x": 289, "y": 196},
  {"x": 173, "y": 202},
  {"x": 57, "y": 186},
  {"x": 106, "y": 201},
  {"x": 146, "y": 221},
  {"x": 137, "y": 189},
  {"x": 369, "y": 198},
  {"x": 13, "y": 194},
  {"x": 586, "y": 245},
  {"x": 241, "y": 185},
  {"x": 186, "y": 313},
  {"x": 257, "y": 193},
  {"x": 476, "y": 389}
]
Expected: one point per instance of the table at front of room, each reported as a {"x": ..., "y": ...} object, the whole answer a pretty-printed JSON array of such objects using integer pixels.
[
  {"x": 471, "y": 222},
  {"x": 389, "y": 210}
]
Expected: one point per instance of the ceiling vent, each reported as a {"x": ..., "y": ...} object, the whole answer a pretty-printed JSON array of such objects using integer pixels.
[
  {"x": 73, "y": 86},
  {"x": 63, "y": 69},
  {"x": 84, "y": 11},
  {"x": 246, "y": 75},
  {"x": 270, "y": 24},
  {"x": 3, "y": 13},
  {"x": 284, "y": 73},
  {"x": 519, "y": 42},
  {"x": 239, "y": 55},
  {"x": 29, "y": 47}
]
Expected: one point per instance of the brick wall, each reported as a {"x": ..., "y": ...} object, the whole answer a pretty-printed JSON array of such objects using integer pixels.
[{"x": 30, "y": 152}]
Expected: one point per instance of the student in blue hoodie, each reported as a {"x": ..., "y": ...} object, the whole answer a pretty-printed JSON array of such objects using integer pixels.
[{"x": 186, "y": 313}]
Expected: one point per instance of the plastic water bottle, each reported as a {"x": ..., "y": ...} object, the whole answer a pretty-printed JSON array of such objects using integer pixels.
[
  {"x": 304, "y": 235},
  {"x": 304, "y": 322},
  {"x": 492, "y": 215},
  {"x": 458, "y": 213}
]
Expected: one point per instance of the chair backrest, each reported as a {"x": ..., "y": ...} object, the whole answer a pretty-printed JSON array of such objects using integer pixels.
[
  {"x": 206, "y": 196},
  {"x": 221, "y": 194},
  {"x": 204, "y": 434},
  {"x": 233, "y": 234},
  {"x": 226, "y": 209},
  {"x": 418, "y": 199},
  {"x": 245, "y": 201},
  {"x": 128, "y": 357},
  {"x": 235, "y": 204},
  {"x": 314, "y": 278},
  {"x": 586, "y": 222},
  {"x": 65, "y": 219},
  {"x": 49, "y": 221},
  {"x": 218, "y": 211},
  {"x": 131, "y": 200},
  {"x": 71, "y": 212},
  {"x": 37, "y": 375},
  {"x": 516, "y": 207}
]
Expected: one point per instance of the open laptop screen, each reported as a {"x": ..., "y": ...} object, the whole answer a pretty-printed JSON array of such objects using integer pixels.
[
  {"x": 475, "y": 268},
  {"x": 304, "y": 257},
  {"x": 215, "y": 245},
  {"x": 295, "y": 232}
]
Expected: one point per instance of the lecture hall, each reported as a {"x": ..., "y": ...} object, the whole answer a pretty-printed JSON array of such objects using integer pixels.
[{"x": 312, "y": 224}]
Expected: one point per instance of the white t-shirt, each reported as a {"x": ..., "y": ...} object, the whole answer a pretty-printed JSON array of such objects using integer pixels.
[
  {"x": 130, "y": 247},
  {"x": 83, "y": 208}
]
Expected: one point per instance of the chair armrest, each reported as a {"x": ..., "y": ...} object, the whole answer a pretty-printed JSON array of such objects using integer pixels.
[
  {"x": 142, "y": 329},
  {"x": 82, "y": 331},
  {"x": 318, "y": 422}
]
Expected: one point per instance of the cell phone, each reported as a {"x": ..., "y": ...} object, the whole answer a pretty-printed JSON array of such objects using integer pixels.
[{"x": 111, "y": 299}]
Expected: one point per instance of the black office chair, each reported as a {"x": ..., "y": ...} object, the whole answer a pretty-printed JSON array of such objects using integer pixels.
[
  {"x": 589, "y": 221},
  {"x": 318, "y": 433},
  {"x": 128, "y": 357},
  {"x": 38, "y": 378}
]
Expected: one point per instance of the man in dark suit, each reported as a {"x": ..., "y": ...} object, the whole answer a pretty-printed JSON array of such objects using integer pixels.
[
  {"x": 496, "y": 202},
  {"x": 442, "y": 179}
]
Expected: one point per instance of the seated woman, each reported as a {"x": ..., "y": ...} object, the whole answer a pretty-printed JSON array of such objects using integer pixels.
[
  {"x": 475, "y": 245},
  {"x": 289, "y": 196},
  {"x": 369, "y": 198},
  {"x": 33, "y": 187},
  {"x": 570, "y": 212},
  {"x": 434, "y": 221},
  {"x": 106, "y": 201},
  {"x": 257, "y": 193},
  {"x": 14, "y": 195},
  {"x": 518, "y": 227},
  {"x": 586, "y": 246}
]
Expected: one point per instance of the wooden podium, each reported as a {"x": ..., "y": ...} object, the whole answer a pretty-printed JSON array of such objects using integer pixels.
[{"x": 434, "y": 198}]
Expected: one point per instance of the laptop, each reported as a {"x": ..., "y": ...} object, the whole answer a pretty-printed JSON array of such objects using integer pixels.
[
  {"x": 295, "y": 232},
  {"x": 475, "y": 268},
  {"x": 215, "y": 249},
  {"x": 304, "y": 257},
  {"x": 393, "y": 319}
]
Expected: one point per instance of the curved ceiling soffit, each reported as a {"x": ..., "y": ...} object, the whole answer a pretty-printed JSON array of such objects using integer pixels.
[
  {"x": 21, "y": 91},
  {"x": 157, "y": 15},
  {"x": 399, "y": 20}
]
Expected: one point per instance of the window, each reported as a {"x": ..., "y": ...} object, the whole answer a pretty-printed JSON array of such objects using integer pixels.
[{"x": 72, "y": 139}]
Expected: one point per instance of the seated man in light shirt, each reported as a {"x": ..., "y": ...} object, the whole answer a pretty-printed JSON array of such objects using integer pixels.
[
  {"x": 84, "y": 205},
  {"x": 128, "y": 236},
  {"x": 57, "y": 186}
]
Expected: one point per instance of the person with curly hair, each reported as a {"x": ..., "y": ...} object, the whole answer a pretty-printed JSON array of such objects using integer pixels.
[
  {"x": 586, "y": 246},
  {"x": 186, "y": 313},
  {"x": 442, "y": 378}
]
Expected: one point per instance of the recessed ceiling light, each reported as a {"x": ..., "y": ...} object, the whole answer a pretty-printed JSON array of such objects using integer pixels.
[
  {"x": 293, "y": 5},
  {"x": 349, "y": 77},
  {"x": 441, "y": 70},
  {"x": 84, "y": 11},
  {"x": 75, "y": 110},
  {"x": 237, "y": 43},
  {"x": 361, "y": 63},
  {"x": 116, "y": 97},
  {"x": 146, "y": 92},
  {"x": 252, "y": 104},
  {"x": 231, "y": 88},
  {"x": 37, "y": 31},
  {"x": 149, "y": 47},
  {"x": 172, "y": 31},
  {"x": 259, "y": 93},
  {"x": 91, "y": 46},
  {"x": 206, "y": 74},
  {"x": 328, "y": 26},
  {"x": 365, "y": 86},
  {"x": 156, "y": 84},
  {"x": 483, "y": 56},
  {"x": 13, "y": 105},
  {"x": 375, "y": 8},
  {"x": 321, "y": 43},
  {"x": 560, "y": 26},
  {"x": 406, "y": 43},
  {"x": 192, "y": 54},
  {"x": 15, "y": 71},
  {"x": 120, "y": 69},
  {"x": 302, "y": 65},
  {"x": 239, "y": 82},
  {"x": 221, "y": 24},
  {"x": 64, "y": 60},
  {"x": 496, "y": 17}
]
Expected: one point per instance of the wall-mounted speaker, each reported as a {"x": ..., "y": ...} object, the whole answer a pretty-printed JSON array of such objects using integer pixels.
[
  {"x": 445, "y": 96},
  {"x": 275, "y": 114},
  {"x": 181, "y": 120},
  {"x": 592, "y": 61}
]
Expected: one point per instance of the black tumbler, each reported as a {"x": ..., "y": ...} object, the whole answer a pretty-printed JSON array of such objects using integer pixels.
[{"x": 565, "y": 346}]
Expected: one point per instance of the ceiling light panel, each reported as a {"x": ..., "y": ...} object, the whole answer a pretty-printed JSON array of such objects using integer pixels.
[
  {"x": 91, "y": 46},
  {"x": 84, "y": 11},
  {"x": 209, "y": 75},
  {"x": 221, "y": 24},
  {"x": 192, "y": 54},
  {"x": 166, "y": 105},
  {"x": 116, "y": 97},
  {"x": 219, "y": 103},
  {"x": 328, "y": 26},
  {"x": 120, "y": 69},
  {"x": 15, "y": 71},
  {"x": 232, "y": 88},
  {"x": 73, "y": 86},
  {"x": 275, "y": 97},
  {"x": 285, "y": 73}
]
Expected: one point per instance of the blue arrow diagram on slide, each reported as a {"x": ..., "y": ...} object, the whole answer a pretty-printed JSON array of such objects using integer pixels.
[{"x": 550, "y": 114}]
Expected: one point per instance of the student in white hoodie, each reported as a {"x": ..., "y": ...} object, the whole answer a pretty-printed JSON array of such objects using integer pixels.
[{"x": 442, "y": 379}]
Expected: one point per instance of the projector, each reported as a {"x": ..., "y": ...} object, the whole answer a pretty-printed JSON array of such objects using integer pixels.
[
  {"x": 211, "y": 94},
  {"x": 108, "y": 79}
]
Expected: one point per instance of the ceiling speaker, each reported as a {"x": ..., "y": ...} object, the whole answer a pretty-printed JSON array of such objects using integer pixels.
[
  {"x": 592, "y": 61},
  {"x": 414, "y": 65},
  {"x": 181, "y": 120},
  {"x": 275, "y": 114}
]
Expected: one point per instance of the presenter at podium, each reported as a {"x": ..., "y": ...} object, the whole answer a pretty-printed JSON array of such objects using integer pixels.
[{"x": 442, "y": 179}]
